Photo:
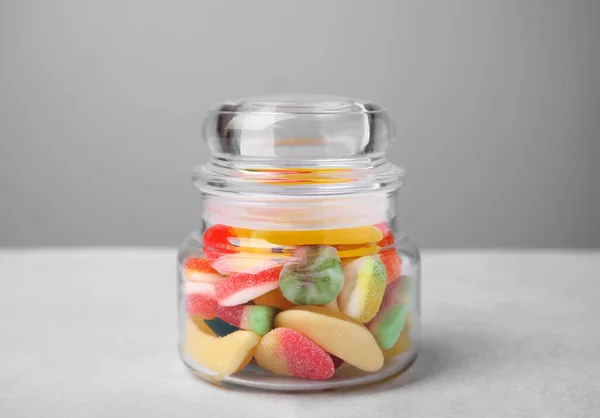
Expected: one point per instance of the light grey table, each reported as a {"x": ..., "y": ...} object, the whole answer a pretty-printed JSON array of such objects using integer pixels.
[{"x": 505, "y": 334}]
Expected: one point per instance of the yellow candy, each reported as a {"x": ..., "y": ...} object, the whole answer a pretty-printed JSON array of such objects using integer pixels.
[
  {"x": 221, "y": 356},
  {"x": 364, "y": 287},
  {"x": 336, "y": 333},
  {"x": 355, "y": 251},
  {"x": 346, "y": 236},
  {"x": 202, "y": 326}
]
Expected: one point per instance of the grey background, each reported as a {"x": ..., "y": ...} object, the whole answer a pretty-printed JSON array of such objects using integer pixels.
[{"x": 497, "y": 103}]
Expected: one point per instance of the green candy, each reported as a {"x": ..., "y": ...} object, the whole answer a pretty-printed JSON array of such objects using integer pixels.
[
  {"x": 387, "y": 326},
  {"x": 313, "y": 275}
]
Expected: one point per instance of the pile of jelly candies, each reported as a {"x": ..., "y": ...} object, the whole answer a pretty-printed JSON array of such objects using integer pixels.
[{"x": 298, "y": 303}]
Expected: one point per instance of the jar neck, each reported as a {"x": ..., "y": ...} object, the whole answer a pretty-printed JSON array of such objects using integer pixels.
[
  {"x": 292, "y": 212},
  {"x": 228, "y": 175}
]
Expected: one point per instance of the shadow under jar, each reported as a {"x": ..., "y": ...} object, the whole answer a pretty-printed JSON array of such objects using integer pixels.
[{"x": 299, "y": 278}]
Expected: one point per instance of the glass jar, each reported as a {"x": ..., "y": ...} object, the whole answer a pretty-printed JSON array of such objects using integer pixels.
[{"x": 299, "y": 278}]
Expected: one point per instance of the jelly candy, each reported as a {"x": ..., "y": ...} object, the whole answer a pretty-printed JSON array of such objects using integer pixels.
[
  {"x": 388, "y": 238},
  {"x": 220, "y": 327},
  {"x": 391, "y": 318},
  {"x": 403, "y": 344},
  {"x": 275, "y": 299},
  {"x": 333, "y": 305},
  {"x": 287, "y": 352},
  {"x": 255, "y": 318},
  {"x": 396, "y": 293},
  {"x": 240, "y": 262},
  {"x": 200, "y": 270},
  {"x": 336, "y": 333},
  {"x": 312, "y": 275},
  {"x": 201, "y": 299},
  {"x": 388, "y": 324},
  {"x": 363, "y": 290},
  {"x": 216, "y": 238},
  {"x": 355, "y": 251},
  {"x": 202, "y": 324},
  {"x": 257, "y": 245},
  {"x": 392, "y": 263},
  {"x": 346, "y": 236},
  {"x": 221, "y": 357},
  {"x": 243, "y": 287},
  {"x": 337, "y": 362}
]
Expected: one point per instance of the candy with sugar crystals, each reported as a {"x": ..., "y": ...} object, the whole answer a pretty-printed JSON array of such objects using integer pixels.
[
  {"x": 255, "y": 318},
  {"x": 200, "y": 299},
  {"x": 388, "y": 238},
  {"x": 336, "y": 333},
  {"x": 287, "y": 352},
  {"x": 198, "y": 269},
  {"x": 392, "y": 263},
  {"x": 229, "y": 264},
  {"x": 219, "y": 357},
  {"x": 364, "y": 286},
  {"x": 220, "y": 237},
  {"x": 243, "y": 287},
  {"x": 312, "y": 275}
]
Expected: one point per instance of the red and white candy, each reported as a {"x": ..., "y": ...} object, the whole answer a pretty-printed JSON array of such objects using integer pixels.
[
  {"x": 243, "y": 287},
  {"x": 287, "y": 352},
  {"x": 201, "y": 299},
  {"x": 200, "y": 270}
]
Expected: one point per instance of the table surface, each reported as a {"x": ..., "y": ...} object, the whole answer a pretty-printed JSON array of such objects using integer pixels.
[{"x": 92, "y": 332}]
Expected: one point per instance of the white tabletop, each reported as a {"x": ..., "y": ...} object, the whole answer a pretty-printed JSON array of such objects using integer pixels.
[{"x": 505, "y": 334}]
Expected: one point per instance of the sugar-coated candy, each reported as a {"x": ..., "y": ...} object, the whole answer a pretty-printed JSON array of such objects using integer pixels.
[
  {"x": 392, "y": 263},
  {"x": 217, "y": 238},
  {"x": 364, "y": 286},
  {"x": 255, "y": 318},
  {"x": 388, "y": 238},
  {"x": 275, "y": 299},
  {"x": 388, "y": 324},
  {"x": 243, "y": 287},
  {"x": 345, "y": 236},
  {"x": 220, "y": 327},
  {"x": 287, "y": 352},
  {"x": 198, "y": 269},
  {"x": 200, "y": 299},
  {"x": 220, "y": 357},
  {"x": 336, "y": 333},
  {"x": 229, "y": 264},
  {"x": 312, "y": 275}
]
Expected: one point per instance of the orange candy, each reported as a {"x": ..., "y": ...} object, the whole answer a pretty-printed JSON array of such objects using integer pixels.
[
  {"x": 275, "y": 299},
  {"x": 392, "y": 263}
]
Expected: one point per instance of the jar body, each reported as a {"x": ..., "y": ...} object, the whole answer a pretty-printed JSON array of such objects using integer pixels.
[{"x": 299, "y": 294}]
